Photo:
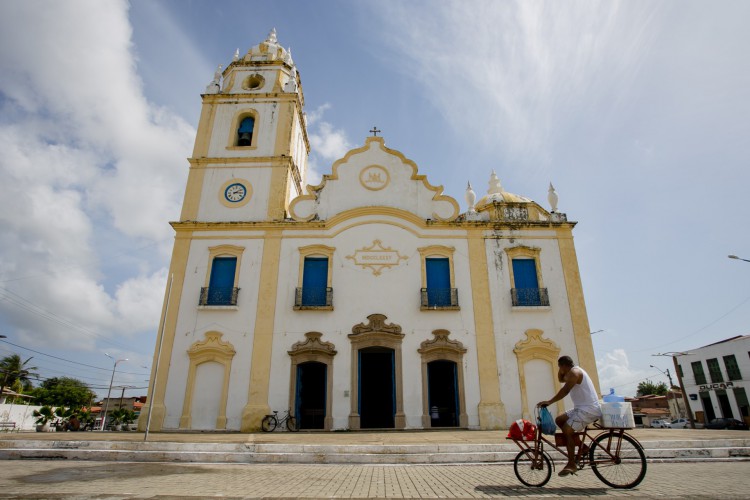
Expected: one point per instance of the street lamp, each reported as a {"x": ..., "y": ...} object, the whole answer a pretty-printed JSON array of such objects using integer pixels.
[
  {"x": 671, "y": 385},
  {"x": 679, "y": 379},
  {"x": 737, "y": 258},
  {"x": 109, "y": 392}
]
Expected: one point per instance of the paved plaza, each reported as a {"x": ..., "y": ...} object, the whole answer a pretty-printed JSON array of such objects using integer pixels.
[{"x": 89, "y": 480}]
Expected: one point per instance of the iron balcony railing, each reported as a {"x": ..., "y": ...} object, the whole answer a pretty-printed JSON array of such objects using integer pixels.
[
  {"x": 219, "y": 296},
  {"x": 529, "y": 296},
  {"x": 439, "y": 298},
  {"x": 313, "y": 297}
]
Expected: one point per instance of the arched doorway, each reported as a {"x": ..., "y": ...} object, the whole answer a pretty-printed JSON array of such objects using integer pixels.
[
  {"x": 443, "y": 398},
  {"x": 376, "y": 388},
  {"x": 311, "y": 382},
  {"x": 207, "y": 386},
  {"x": 310, "y": 398},
  {"x": 442, "y": 393},
  {"x": 377, "y": 396},
  {"x": 537, "y": 373}
]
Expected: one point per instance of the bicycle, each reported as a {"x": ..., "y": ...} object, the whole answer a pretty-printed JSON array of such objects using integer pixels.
[
  {"x": 270, "y": 422},
  {"x": 616, "y": 457}
]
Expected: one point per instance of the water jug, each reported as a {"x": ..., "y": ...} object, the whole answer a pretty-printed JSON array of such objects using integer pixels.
[{"x": 613, "y": 398}]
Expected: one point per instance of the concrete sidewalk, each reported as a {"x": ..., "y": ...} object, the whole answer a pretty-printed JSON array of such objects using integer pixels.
[{"x": 362, "y": 447}]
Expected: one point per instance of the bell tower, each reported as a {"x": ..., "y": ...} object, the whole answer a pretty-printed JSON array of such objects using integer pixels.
[{"x": 250, "y": 155}]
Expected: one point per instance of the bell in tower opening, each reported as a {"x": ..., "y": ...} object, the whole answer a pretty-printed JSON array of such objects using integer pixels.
[{"x": 245, "y": 132}]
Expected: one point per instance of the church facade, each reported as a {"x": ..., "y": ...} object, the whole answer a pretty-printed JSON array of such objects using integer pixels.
[{"x": 368, "y": 301}]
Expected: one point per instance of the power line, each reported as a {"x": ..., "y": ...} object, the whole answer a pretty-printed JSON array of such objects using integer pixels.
[
  {"x": 699, "y": 329},
  {"x": 68, "y": 360}
]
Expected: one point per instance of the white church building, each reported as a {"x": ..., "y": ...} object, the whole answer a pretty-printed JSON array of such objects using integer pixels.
[{"x": 369, "y": 301}]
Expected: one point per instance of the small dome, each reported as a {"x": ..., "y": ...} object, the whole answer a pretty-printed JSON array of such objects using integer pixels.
[
  {"x": 269, "y": 50},
  {"x": 496, "y": 193}
]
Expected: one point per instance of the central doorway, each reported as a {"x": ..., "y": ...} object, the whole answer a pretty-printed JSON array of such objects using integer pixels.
[
  {"x": 310, "y": 399},
  {"x": 442, "y": 383},
  {"x": 377, "y": 391}
]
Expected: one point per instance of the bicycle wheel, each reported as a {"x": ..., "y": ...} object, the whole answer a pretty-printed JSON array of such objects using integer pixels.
[
  {"x": 532, "y": 469},
  {"x": 625, "y": 469},
  {"x": 291, "y": 424},
  {"x": 268, "y": 424}
]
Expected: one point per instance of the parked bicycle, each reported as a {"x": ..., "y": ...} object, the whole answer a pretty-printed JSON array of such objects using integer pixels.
[
  {"x": 271, "y": 422},
  {"x": 616, "y": 457}
]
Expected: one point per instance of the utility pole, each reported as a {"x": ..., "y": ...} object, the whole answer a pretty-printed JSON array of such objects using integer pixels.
[
  {"x": 674, "y": 355},
  {"x": 671, "y": 385}
]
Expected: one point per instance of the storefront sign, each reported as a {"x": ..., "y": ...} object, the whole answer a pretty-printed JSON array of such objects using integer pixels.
[{"x": 715, "y": 387}]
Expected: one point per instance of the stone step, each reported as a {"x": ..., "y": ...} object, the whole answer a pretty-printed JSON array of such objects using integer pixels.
[{"x": 334, "y": 453}]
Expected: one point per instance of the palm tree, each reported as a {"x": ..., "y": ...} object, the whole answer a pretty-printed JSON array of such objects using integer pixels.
[{"x": 14, "y": 371}]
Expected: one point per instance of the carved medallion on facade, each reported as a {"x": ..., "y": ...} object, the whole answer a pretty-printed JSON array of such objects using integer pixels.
[
  {"x": 374, "y": 177},
  {"x": 376, "y": 257},
  {"x": 312, "y": 345},
  {"x": 376, "y": 324},
  {"x": 441, "y": 344}
]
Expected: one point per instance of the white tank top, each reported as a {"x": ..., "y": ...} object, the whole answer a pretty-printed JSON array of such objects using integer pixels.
[{"x": 584, "y": 394}]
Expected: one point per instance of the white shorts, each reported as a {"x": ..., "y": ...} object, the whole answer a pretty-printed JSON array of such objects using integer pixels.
[{"x": 579, "y": 418}]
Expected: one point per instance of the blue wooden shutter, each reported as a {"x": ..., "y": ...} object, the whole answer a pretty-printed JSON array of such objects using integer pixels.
[
  {"x": 315, "y": 281},
  {"x": 245, "y": 132},
  {"x": 221, "y": 284},
  {"x": 438, "y": 281},
  {"x": 526, "y": 283}
]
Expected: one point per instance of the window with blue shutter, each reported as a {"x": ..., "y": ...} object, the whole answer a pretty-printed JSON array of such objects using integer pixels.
[
  {"x": 221, "y": 284},
  {"x": 438, "y": 274},
  {"x": 526, "y": 283},
  {"x": 315, "y": 281}
]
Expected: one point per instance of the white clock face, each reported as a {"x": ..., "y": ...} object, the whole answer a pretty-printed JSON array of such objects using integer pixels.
[{"x": 235, "y": 192}]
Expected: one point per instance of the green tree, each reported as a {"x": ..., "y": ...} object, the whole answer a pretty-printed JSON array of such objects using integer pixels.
[
  {"x": 16, "y": 374},
  {"x": 647, "y": 387},
  {"x": 63, "y": 391}
]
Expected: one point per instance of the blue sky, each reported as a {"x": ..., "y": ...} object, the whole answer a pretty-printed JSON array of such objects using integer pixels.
[{"x": 636, "y": 111}]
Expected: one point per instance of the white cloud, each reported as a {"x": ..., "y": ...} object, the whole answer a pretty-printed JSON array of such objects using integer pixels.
[
  {"x": 616, "y": 373},
  {"x": 88, "y": 164},
  {"x": 327, "y": 144},
  {"x": 506, "y": 73}
]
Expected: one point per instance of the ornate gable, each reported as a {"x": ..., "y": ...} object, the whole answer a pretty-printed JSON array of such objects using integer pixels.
[{"x": 374, "y": 176}]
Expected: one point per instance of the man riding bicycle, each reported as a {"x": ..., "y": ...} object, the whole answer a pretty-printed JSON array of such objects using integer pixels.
[{"x": 586, "y": 408}]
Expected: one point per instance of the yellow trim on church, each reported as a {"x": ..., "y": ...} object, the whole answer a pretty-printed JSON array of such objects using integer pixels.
[
  {"x": 491, "y": 409},
  {"x": 260, "y": 366},
  {"x": 579, "y": 317}
]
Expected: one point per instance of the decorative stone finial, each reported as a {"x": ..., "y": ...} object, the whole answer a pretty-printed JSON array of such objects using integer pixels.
[
  {"x": 495, "y": 186},
  {"x": 471, "y": 197},
  {"x": 236, "y": 55},
  {"x": 291, "y": 84},
  {"x": 552, "y": 198},
  {"x": 272, "y": 36},
  {"x": 215, "y": 86}
]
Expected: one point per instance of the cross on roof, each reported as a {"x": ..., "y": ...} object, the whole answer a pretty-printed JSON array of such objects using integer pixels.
[{"x": 375, "y": 131}]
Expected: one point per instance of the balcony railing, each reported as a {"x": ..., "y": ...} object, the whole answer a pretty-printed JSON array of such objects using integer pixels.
[
  {"x": 313, "y": 298},
  {"x": 529, "y": 297},
  {"x": 439, "y": 298},
  {"x": 219, "y": 296}
]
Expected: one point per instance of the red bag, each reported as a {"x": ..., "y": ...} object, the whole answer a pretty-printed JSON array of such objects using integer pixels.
[{"x": 522, "y": 430}]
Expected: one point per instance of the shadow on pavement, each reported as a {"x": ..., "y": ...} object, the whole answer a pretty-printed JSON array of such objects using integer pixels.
[
  {"x": 108, "y": 471},
  {"x": 522, "y": 491}
]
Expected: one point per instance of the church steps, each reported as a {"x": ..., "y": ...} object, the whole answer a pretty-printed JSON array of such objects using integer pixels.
[{"x": 673, "y": 450}]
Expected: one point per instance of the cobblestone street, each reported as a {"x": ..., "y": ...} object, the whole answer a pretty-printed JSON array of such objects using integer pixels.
[{"x": 88, "y": 480}]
